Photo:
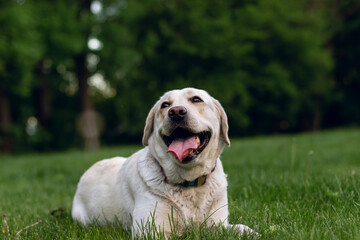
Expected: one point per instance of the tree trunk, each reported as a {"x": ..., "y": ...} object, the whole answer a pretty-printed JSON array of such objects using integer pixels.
[
  {"x": 87, "y": 121},
  {"x": 82, "y": 75},
  {"x": 5, "y": 122},
  {"x": 88, "y": 124},
  {"x": 43, "y": 94},
  {"x": 317, "y": 118}
]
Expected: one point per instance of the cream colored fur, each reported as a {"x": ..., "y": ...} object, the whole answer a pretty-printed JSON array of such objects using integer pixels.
[{"x": 132, "y": 189}]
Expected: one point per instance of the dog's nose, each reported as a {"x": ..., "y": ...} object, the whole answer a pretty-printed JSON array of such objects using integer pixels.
[{"x": 177, "y": 113}]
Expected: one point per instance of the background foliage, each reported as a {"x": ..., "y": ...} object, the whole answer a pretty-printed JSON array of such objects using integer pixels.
[{"x": 275, "y": 65}]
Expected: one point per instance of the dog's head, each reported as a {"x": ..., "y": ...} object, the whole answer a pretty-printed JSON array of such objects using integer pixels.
[{"x": 186, "y": 128}]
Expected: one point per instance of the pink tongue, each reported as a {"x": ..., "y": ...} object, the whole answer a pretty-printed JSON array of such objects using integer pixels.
[{"x": 180, "y": 147}]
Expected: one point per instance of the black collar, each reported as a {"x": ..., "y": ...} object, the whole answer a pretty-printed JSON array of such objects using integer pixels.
[{"x": 194, "y": 183}]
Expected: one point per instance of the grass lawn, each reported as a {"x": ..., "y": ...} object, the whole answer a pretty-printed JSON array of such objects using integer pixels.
[{"x": 304, "y": 186}]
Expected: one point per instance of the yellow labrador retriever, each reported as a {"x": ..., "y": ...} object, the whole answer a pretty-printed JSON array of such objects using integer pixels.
[{"x": 178, "y": 172}]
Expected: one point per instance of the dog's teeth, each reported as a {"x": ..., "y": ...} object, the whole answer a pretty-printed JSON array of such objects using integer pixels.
[
  {"x": 198, "y": 140},
  {"x": 192, "y": 152}
]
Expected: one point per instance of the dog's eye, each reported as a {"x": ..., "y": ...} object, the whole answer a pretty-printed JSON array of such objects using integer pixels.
[
  {"x": 165, "y": 105},
  {"x": 196, "y": 99}
]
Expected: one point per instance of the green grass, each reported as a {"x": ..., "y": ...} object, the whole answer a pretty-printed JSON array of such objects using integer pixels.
[{"x": 275, "y": 186}]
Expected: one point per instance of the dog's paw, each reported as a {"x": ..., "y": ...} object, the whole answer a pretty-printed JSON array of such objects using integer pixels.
[{"x": 243, "y": 229}]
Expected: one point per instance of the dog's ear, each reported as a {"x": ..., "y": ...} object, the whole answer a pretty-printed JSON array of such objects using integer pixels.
[
  {"x": 149, "y": 126},
  {"x": 224, "y": 127}
]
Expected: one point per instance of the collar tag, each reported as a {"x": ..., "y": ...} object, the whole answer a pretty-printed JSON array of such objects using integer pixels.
[{"x": 195, "y": 183}]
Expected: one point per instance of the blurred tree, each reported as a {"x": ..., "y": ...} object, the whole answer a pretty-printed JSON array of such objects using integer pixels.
[
  {"x": 346, "y": 51},
  {"x": 19, "y": 51},
  {"x": 65, "y": 28},
  {"x": 268, "y": 62},
  {"x": 61, "y": 39},
  {"x": 262, "y": 59},
  {"x": 88, "y": 122},
  {"x": 289, "y": 67}
]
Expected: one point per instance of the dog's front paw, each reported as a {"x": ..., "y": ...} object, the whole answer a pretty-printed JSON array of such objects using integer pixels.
[{"x": 243, "y": 229}]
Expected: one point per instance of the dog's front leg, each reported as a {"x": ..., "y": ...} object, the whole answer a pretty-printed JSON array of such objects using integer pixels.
[
  {"x": 153, "y": 219},
  {"x": 219, "y": 215}
]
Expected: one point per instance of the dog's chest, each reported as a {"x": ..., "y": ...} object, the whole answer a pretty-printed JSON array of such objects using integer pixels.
[{"x": 193, "y": 204}]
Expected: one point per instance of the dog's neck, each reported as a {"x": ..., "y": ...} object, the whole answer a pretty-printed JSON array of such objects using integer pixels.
[{"x": 195, "y": 183}]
